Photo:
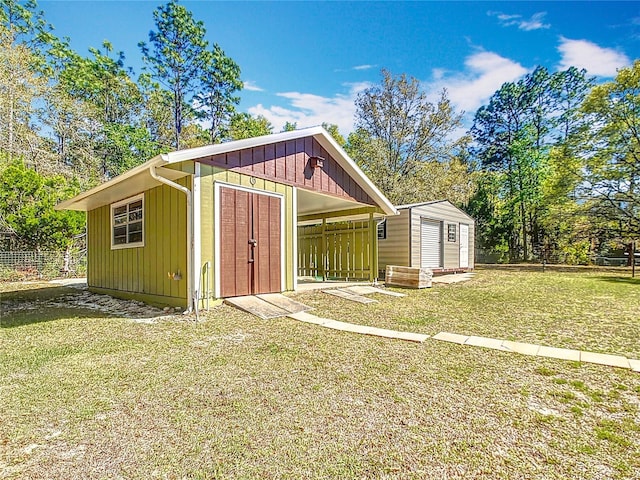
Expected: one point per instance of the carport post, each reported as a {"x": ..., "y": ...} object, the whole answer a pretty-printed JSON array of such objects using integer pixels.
[
  {"x": 323, "y": 250},
  {"x": 373, "y": 248}
]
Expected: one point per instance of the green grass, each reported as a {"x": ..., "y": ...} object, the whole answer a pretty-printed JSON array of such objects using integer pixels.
[{"x": 87, "y": 395}]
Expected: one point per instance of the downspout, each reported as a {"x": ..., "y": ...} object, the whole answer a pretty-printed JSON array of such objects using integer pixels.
[{"x": 190, "y": 270}]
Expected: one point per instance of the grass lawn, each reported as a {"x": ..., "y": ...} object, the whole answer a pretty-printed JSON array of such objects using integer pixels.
[{"x": 90, "y": 395}]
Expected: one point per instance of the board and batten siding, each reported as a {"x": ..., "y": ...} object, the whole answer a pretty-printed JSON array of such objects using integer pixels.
[
  {"x": 445, "y": 213},
  {"x": 142, "y": 272},
  {"x": 395, "y": 249},
  {"x": 209, "y": 175},
  {"x": 288, "y": 163}
]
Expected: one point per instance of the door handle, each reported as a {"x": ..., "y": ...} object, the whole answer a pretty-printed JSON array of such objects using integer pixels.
[{"x": 253, "y": 242}]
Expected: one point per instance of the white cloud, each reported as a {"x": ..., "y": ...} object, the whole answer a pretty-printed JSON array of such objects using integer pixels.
[
  {"x": 484, "y": 74},
  {"x": 307, "y": 109},
  {"x": 364, "y": 67},
  {"x": 597, "y": 60},
  {"x": 533, "y": 23},
  {"x": 251, "y": 86}
]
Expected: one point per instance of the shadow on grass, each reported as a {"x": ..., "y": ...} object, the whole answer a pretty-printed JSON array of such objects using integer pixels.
[
  {"x": 38, "y": 305},
  {"x": 551, "y": 267},
  {"x": 629, "y": 280}
]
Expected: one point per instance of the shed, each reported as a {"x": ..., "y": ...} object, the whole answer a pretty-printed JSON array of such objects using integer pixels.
[
  {"x": 436, "y": 235},
  {"x": 223, "y": 220}
]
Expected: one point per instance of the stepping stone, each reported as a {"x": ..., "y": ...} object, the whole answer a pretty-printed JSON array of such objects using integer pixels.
[
  {"x": 451, "y": 337},
  {"x": 350, "y": 296},
  {"x": 560, "y": 353},
  {"x": 256, "y": 306},
  {"x": 309, "y": 318},
  {"x": 519, "y": 347},
  {"x": 354, "y": 328},
  {"x": 493, "y": 343},
  {"x": 366, "y": 290},
  {"x": 635, "y": 365},
  {"x": 283, "y": 302},
  {"x": 604, "y": 359}
]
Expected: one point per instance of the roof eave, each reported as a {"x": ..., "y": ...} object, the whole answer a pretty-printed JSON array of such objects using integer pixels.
[{"x": 69, "y": 204}]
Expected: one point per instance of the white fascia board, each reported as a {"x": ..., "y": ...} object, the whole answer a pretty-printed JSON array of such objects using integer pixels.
[
  {"x": 220, "y": 148},
  {"x": 352, "y": 168}
]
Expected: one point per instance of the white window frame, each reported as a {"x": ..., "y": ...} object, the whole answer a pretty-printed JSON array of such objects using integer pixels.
[{"x": 119, "y": 204}]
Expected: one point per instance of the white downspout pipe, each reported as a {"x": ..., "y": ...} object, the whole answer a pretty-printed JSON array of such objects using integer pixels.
[{"x": 190, "y": 270}]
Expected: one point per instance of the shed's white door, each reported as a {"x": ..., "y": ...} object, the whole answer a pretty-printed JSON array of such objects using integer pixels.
[
  {"x": 464, "y": 246},
  {"x": 430, "y": 244}
]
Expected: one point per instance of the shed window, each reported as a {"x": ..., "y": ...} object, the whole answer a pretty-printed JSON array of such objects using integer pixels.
[
  {"x": 382, "y": 230},
  {"x": 451, "y": 232},
  {"x": 127, "y": 222}
]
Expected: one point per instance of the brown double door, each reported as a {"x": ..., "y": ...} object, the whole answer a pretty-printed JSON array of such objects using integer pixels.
[{"x": 250, "y": 246}]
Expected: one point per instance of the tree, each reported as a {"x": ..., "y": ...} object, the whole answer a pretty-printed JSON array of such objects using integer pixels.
[
  {"x": 243, "y": 125},
  {"x": 513, "y": 136},
  {"x": 116, "y": 103},
  {"x": 20, "y": 86},
  {"x": 27, "y": 201},
  {"x": 289, "y": 126},
  {"x": 176, "y": 57},
  {"x": 613, "y": 151},
  {"x": 402, "y": 138},
  {"x": 332, "y": 129},
  {"x": 220, "y": 80}
]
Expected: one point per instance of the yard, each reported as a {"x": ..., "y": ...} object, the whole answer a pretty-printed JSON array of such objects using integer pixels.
[{"x": 86, "y": 394}]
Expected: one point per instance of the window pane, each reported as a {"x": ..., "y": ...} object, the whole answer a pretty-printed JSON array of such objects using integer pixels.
[
  {"x": 120, "y": 219},
  {"x": 120, "y": 235},
  {"x": 137, "y": 215},
  {"x": 137, "y": 205},
  {"x": 120, "y": 210},
  {"x": 135, "y": 227},
  {"x": 135, "y": 237}
]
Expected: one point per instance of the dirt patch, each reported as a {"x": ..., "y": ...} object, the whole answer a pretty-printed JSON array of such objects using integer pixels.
[{"x": 83, "y": 299}]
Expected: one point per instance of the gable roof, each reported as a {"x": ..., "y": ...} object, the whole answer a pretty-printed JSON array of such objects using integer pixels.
[
  {"x": 139, "y": 179},
  {"x": 432, "y": 202}
]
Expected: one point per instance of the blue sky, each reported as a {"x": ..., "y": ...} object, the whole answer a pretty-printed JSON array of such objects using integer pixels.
[{"x": 305, "y": 62}]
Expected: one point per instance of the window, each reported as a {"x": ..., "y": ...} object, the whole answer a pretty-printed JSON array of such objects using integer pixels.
[
  {"x": 382, "y": 230},
  {"x": 451, "y": 232},
  {"x": 127, "y": 222}
]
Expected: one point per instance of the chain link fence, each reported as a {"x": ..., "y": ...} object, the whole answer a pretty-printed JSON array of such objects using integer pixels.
[{"x": 44, "y": 265}]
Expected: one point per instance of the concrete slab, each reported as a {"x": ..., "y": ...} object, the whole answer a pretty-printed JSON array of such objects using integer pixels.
[
  {"x": 560, "y": 353},
  {"x": 519, "y": 347},
  {"x": 338, "y": 292},
  {"x": 605, "y": 359},
  {"x": 256, "y": 306},
  {"x": 634, "y": 364},
  {"x": 367, "y": 289},
  {"x": 284, "y": 302},
  {"x": 452, "y": 278},
  {"x": 484, "y": 342},
  {"x": 451, "y": 337}
]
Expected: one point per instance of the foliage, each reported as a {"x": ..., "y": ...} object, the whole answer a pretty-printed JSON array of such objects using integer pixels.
[
  {"x": 243, "y": 125},
  {"x": 613, "y": 151},
  {"x": 27, "y": 201},
  {"x": 289, "y": 127},
  {"x": 404, "y": 142},
  {"x": 527, "y": 136},
  {"x": 176, "y": 57},
  {"x": 332, "y": 129},
  {"x": 220, "y": 80}
]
